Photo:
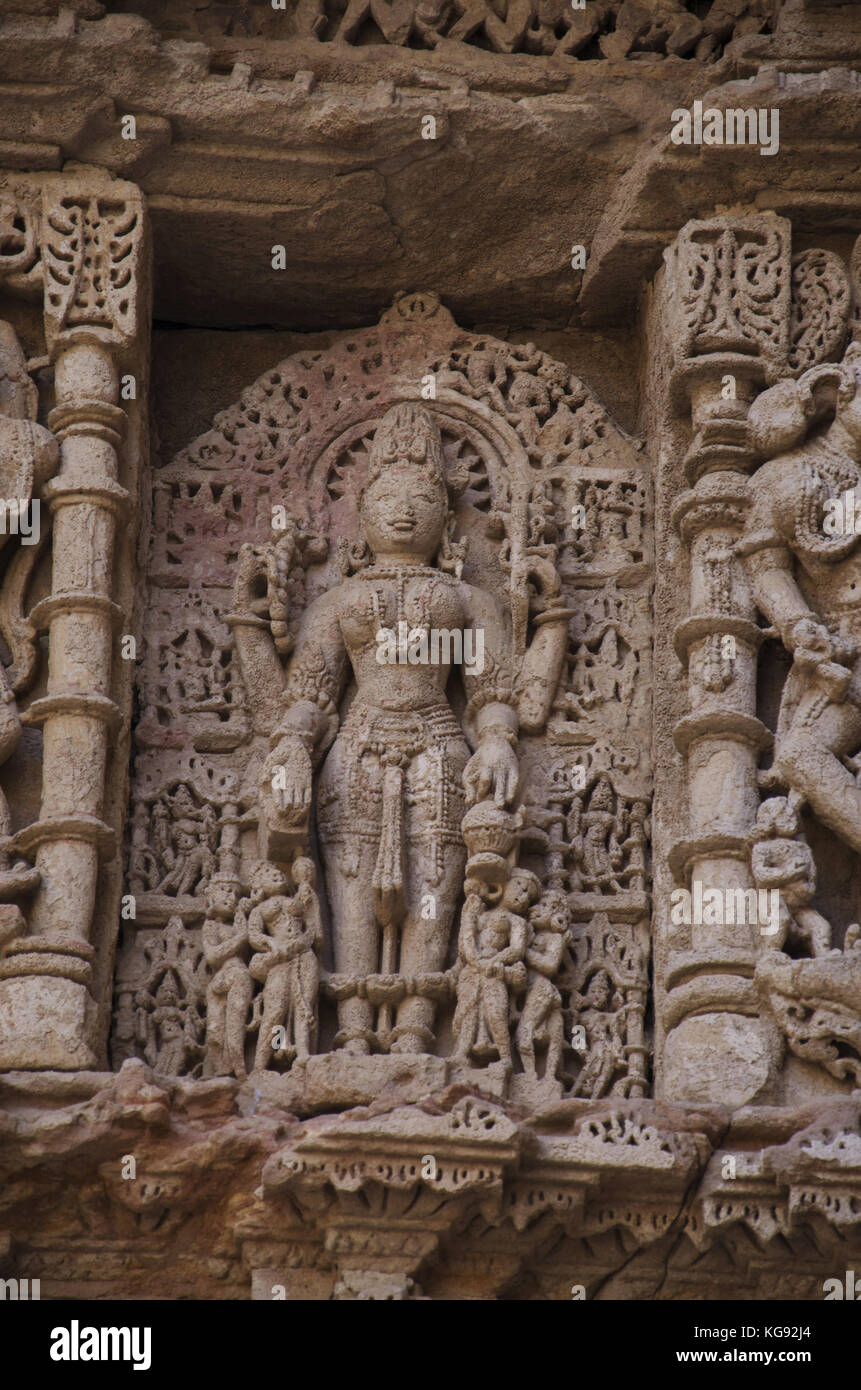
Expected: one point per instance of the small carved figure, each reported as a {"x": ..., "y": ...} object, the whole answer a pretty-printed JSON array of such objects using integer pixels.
[
  {"x": 781, "y": 859},
  {"x": 169, "y": 1019},
  {"x": 600, "y": 1012},
  {"x": 541, "y": 1023},
  {"x": 229, "y": 992},
  {"x": 492, "y": 952},
  {"x": 286, "y": 932},
  {"x": 184, "y": 842},
  {"x": 174, "y": 1044},
  {"x": 599, "y": 853}
]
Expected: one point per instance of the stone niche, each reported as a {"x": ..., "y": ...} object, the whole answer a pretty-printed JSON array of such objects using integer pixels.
[{"x": 429, "y": 746}]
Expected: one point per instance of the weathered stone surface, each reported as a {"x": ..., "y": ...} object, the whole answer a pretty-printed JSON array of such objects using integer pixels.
[{"x": 429, "y": 695}]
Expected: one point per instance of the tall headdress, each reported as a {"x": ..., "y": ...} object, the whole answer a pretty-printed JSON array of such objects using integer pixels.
[{"x": 408, "y": 433}]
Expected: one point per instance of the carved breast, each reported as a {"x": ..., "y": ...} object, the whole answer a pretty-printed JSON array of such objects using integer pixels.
[{"x": 426, "y": 601}]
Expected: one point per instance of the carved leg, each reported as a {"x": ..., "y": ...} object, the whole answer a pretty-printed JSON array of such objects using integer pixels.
[
  {"x": 468, "y": 999},
  {"x": 425, "y": 941},
  {"x": 236, "y": 1022},
  {"x": 496, "y": 1013},
  {"x": 529, "y": 1020},
  {"x": 276, "y": 997},
  {"x": 555, "y": 1037},
  {"x": 306, "y": 974},
  {"x": 355, "y": 937}
]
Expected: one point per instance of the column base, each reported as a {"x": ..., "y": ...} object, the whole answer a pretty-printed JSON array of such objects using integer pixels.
[{"x": 46, "y": 1024}]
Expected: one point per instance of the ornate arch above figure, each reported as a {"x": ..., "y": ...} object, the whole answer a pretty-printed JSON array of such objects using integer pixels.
[{"x": 548, "y": 529}]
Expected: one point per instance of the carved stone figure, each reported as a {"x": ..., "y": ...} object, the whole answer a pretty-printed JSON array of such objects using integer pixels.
[
  {"x": 782, "y": 860},
  {"x": 169, "y": 1005},
  {"x": 230, "y": 988},
  {"x": 400, "y": 770},
  {"x": 493, "y": 942},
  {"x": 805, "y": 581},
  {"x": 595, "y": 830},
  {"x": 183, "y": 836},
  {"x": 600, "y": 1012},
  {"x": 286, "y": 934},
  {"x": 541, "y": 1024}
]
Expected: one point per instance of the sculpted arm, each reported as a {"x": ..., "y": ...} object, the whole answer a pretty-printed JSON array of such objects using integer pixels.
[
  {"x": 492, "y": 720},
  {"x": 770, "y": 567},
  {"x": 262, "y": 673},
  {"x": 538, "y": 678},
  {"x": 257, "y": 937},
  {"x": 516, "y": 950},
  {"x": 469, "y": 921},
  {"x": 308, "y": 714},
  {"x": 776, "y": 592},
  {"x": 217, "y": 952},
  {"x": 545, "y": 954}
]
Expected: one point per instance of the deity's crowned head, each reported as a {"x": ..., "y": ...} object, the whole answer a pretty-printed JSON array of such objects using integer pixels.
[
  {"x": 404, "y": 503},
  {"x": 408, "y": 434}
]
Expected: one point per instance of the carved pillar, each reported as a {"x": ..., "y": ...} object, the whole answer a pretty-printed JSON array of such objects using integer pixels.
[
  {"x": 737, "y": 314},
  {"x": 91, "y": 234},
  {"x": 727, "y": 286}
]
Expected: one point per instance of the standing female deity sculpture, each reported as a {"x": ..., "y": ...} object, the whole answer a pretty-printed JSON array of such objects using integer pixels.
[{"x": 398, "y": 768}]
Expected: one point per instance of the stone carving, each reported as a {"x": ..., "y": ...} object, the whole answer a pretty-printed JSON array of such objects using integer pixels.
[
  {"x": 28, "y": 457},
  {"x": 168, "y": 1007},
  {"x": 605, "y": 981},
  {"x": 816, "y": 996},
  {"x": 493, "y": 940},
  {"x": 817, "y": 1005},
  {"x": 601, "y": 844},
  {"x": 605, "y": 28},
  {"x": 734, "y": 278},
  {"x": 820, "y": 308},
  {"x": 19, "y": 241},
  {"x": 749, "y": 313},
  {"x": 230, "y": 987},
  {"x": 183, "y": 839},
  {"x": 422, "y": 544},
  {"x": 79, "y": 241},
  {"x": 541, "y": 1026},
  {"x": 90, "y": 258},
  {"x": 802, "y": 572},
  {"x": 398, "y": 776},
  {"x": 189, "y": 672},
  {"x": 781, "y": 860},
  {"x": 392, "y": 977},
  {"x": 286, "y": 934}
]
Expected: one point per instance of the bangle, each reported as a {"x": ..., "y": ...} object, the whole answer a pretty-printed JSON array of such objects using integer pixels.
[
  {"x": 510, "y": 735},
  {"x": 789, "y": 631}
]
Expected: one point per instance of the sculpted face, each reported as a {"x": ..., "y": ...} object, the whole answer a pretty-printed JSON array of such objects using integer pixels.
[
  {"x": 220, "y": 899},
  {"x": 404, "y": 512}
]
